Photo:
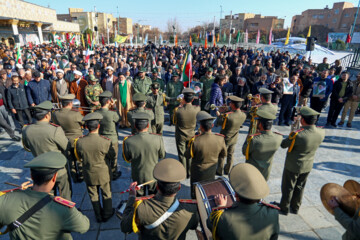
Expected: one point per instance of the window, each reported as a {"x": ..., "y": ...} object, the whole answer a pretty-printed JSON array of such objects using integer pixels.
[
  {"x": 334, "y": 20},
  {"x": 321, "y": 16},
  {"x": 337, "y": 11},
  {"x": 315, "y": 16},
  {"x": 254, "y": 24},
  {"x": 347, "y": 15},
  {"x": 344, "y": 25}
]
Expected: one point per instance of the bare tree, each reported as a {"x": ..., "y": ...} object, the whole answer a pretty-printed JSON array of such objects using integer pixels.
[{"x": 173, "y": 23}]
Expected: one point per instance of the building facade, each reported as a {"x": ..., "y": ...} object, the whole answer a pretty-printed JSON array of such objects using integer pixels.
[
  {"x": 339, "y": 18},
  {"x": 23, "y": 22}
]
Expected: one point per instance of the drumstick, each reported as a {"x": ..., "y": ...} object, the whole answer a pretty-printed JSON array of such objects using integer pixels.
[
  {"x": 141, "y": 185},
  {"x": 12, "y": 184}
]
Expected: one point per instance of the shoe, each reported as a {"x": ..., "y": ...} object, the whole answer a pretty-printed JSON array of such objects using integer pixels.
[
  {"x": 341, "y": 123},
  {"x": 280, "y": 123},
  {"x": 327, "y": 124},
  {"x": 294, "y": 211},
  {"x": 282, "y": 212},
  {"x": 105, "y": 219},
  {"x": 334, "y": 125},
  {"x": 16, "y": 138},
  {"x": 349, "y": 125},
  {"x": 218, "y": 174},
  {"x": 107, "y": 210},
  {"x": 287, "y": 124}
]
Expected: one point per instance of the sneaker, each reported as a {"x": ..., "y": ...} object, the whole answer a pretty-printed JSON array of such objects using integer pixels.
[
  {"x": 349, "y": 125},
  {"x": 341, "y": 123}
]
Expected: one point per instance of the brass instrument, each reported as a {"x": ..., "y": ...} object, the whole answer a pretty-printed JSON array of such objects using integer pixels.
[
  {"x": 254, "y": 101},
  {"x": 221, "y": 109},
  {"x": 296, "y": 124}
]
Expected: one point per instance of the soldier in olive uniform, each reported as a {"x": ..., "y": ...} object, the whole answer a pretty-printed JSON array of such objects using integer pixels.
[
  {"x": 156, "y": 79},
  {"x": 207, "y": 80},
  {"x": 96, "y": 152},
  {"x": 299, "y": 161},
  {"x": 259, "y": 149},
  {"x": 247, "y": 218},
  {"x": 140, "y": 103},
  {"x": 230, "y": 123},
  {"x": 108, "y": 128},
  {"x": 71, "y": 122},
  {"x": 44, "y": 136},
  {"x": 173, "y": 90},
  {"x": 185, "y": 122},
  {"x": 92, "y": 92},
  {"x": 55, "y": 219},
  {"x": 142, "y": 83},
  {"x": 265, "y": 97},
  {"x": 205, "y": 150},
  {"x": 180, "y": 217},
  {"x": 143, "y": 150}
]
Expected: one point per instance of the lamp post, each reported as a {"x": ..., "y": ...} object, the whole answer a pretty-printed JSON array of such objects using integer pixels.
[{"x": 174, "y": 30}]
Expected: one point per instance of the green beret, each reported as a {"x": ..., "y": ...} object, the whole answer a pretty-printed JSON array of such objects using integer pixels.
[
  {"x": 47, "y": 161},
  {"x": 265, "y": 91},
  {"x": 67, "y": 97},
  {"x": 106, "y": 94},
  {"x": 188, "y": 91},
  {"x": 265, "y": 114},
  {"x": 46, "y": 105},
  {"x": 139, "y": 97},
  {"x": 155, "y": 85},
  {"x": 169, "y": 170},
  {"x": 93, "y": 78},
  {"x": 306, "y": 111},
  {"x": 140, "y": 116},
  {"x": 175, "y": 74},
  {"x": 235, "y": 98},
  {"x": 142, "y": 69},
  {"x": 64, "y": 57},
  {"x": 209, "y": 69},
  {"x": 92, "y": 116},
  {"x": 154, "y": 70},
  {"x": 202, "y": 115}
]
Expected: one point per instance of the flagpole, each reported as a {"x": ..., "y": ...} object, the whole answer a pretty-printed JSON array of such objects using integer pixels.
[
  {"x": 353, "y": 26},
  {"x": 230, "y": 29}
]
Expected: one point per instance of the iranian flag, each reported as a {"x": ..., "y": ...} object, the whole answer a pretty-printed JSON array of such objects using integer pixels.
[
  {"x": 87, "y": 55},
  {"x": 18, "y": 55},
  {"x": 54, "y": 65},
  {"x": 72, "y": 39},
  {"x": 187, "y": 70}
]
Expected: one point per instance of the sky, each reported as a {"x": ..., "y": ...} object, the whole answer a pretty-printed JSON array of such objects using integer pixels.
[{"x": 189, "y": 13}]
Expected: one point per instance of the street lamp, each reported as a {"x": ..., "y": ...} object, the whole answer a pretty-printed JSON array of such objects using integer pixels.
[{"x": 174, "y": 30}]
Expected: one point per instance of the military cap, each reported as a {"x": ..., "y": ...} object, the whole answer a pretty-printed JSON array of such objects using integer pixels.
[
  {"x": 265, "y": 114},
  {"x": 248, "y": 182},
  {"x": 154, "y": 70},
  {"x": 209, "y": 69},
  {"x": 155, "y": 85},
  {"x": 140, "y": 116},
  {"x": 64, "y": 57},
  {"x": 142, "y": 69},
  {"x": 46, "y": 105},
  {"x": 188, "y": 91},
  {"x": 306, "y": 111},
  {"x": 202, "y": 115},
  {"x": 59, "y": 71},
  {"x": 169, "y": 170},
  {"x": 92, "y": 116},
  {"x": 93, "y": 78},
  {"x": 47, "y": 162},
  {"x": 67, "y": 97},
  {"x": 106, "y": 94},
  {"x": 175, "y": 74},
  {"x": 77, "y": 73},
  {"x": 265, "y": 91},
  {"x": 235, "y": 98},
  {"x": 139, "y": 97}
]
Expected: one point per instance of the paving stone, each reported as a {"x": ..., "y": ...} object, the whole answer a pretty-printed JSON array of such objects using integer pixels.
[
  {"x": 111, "y": 234},
  {"x": 309, "y": 235},
  {"x": 314, "y": 218},
  {"x": 7, "y": 155},
  {"x": 293, "y": 223},
  {"x": 93, "y": 224},
  {"x": 330, "y": 233},
  {"x": 86, "y": 236}
]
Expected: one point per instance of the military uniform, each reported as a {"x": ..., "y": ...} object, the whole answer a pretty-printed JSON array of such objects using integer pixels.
[
  {"x": 269, "y": 107},
  {"x": 173, "y": 90},
  {"x": 96, "y": 152},
  {"x": 143, "y": 150},
  {"x": 44, "y": 137},
  {"x": 185, "y": 122},
  {"x": 143, "y": 216},
  {"x": 230, "y": 125},
  {"x": 207, "y": 82},
  {"x": 156, "y": 103},
  {"x": 302, "y": 146},
  {"x": 160, "y": 82},
  {"x": 246, "y": 221},
  {"x": 92, "y": 93},
  {"x": 108, "y": 129},
  {"x": 351, "y": 224},
  {"x": 149, "y": 112},
  {"x": 55, "y": 220},
  {"x": 71, "y": 122},
  {"x": 142, "y": 85},
  {"x": 205, "y": 150}
]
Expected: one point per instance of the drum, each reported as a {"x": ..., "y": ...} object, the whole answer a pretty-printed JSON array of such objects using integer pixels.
[{"x": 205, "y": 195}]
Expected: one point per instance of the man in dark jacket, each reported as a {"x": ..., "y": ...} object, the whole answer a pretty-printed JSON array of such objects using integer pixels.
[
  {"x": 341, "y": 92},
  {"x": 17, "y": 101},
  {"x": 38, "y": 90}
]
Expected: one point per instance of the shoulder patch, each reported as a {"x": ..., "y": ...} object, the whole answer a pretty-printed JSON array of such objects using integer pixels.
[
  {"x": 278, "y": 133},
  {"x": 256, "y": 134},
  {"x": 54, "y": 124},
  {"x": 64, "y": 202},
  {"x": 188, "y": 201},
  {"x": 104, "y": 137},
  {"x": 128, "y": 137},
  {"x": 145, "y": 197},
  {"x": 220, "y": 208},
  {"x": 299, "y": 130},
  {"x": 218, "y": 134},
  {"x": 269, "y": 205}
]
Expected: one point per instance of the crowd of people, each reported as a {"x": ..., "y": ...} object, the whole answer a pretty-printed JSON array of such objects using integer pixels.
[{"x": 51, "y": 94}]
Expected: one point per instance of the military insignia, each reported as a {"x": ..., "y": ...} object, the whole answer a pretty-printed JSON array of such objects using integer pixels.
[
  {"x": 105, "y": 137},
  {"x": 269, "y": 205},
  {"x": 64, "y": 202},
  {"x": 279, "y": 133},
  {"x": 54, "y": 124},
  {"x": 221, "y": 135}
]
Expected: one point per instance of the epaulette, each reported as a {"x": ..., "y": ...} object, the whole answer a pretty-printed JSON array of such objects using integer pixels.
[
  {"x": 256, "y": 134},
  {"x": 188, "y": 201},
  {"x": 299, "y": 130},
  {"x": 229, "y": 112},
  {"x": 104, "y": 137},
  {"x": 64, "y": 202},
  {"x": 221, "y": 208},
  {"x": 128, "y": 137},
  {"x": 269, "y": 205},
  {"x": 218, "y": 134},
  {"x": 278, "y": 133},
  {"x": 145, "y": 197},
  {"x": 54, "y": 124},
  {"x": 320, "y": 126}
]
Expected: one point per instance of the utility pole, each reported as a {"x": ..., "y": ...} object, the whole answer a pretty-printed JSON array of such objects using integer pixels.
[
  {"x": 220, "y": 19},
  {"x": 107, "y": 28},
  {"x": 353, "y": 26},
  {"x": 97, "y": 27},
  {"x": 214, "y": 33},
  {"x": 118, "y": 21},
  {"x": 230, "y": 29}
]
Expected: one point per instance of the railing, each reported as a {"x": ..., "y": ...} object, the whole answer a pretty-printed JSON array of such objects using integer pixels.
[{"x": 352, "y": 60}]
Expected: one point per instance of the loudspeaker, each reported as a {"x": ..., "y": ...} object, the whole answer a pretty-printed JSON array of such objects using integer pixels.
[
  {"x": 16, "y": 38},
  {"x": 210, "y": 38},
  {"x": 232, "y": 31},
  {"x": 95, "y": 28},
  {"x": 310, "y": 46}
]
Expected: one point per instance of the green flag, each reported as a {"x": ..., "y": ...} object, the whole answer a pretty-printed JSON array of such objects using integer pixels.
[
  {"x": 238, "y": 37},
  {"x": 224, "y": 38}
]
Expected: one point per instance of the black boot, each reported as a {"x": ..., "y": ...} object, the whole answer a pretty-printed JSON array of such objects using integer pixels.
[
  {"x": 107, "y": 211},
  {"x": 97, "y": 211}
]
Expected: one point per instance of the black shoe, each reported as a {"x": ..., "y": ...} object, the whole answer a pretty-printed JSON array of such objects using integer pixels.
[
  {"x": 349, "y": 125},
  {"x": 341, "y": 123},
  {"x": 280, "y": 123},
  {"x": 293, "y": 211},
  {"x": 218, "y": 174},
  {"x": 327, "y": 124},
  {"x": 105, "y": 219},
  {"x": 287, "y": 124},
  {"x": 334, "y": 125},
  {"x": 282, "y": 212},
  {"x": 16, "y": 138}
]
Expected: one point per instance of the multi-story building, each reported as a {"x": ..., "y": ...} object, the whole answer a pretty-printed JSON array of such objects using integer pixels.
[
  {"x": 339, "y": 18},
  {"x": 238, "y": 20},
  {"x": 124, "y": 25}
]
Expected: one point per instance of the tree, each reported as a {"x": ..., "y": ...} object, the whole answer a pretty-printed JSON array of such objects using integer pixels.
[
  {"x": 340, "y": 45},
  {"x": 170, "y": 25}
]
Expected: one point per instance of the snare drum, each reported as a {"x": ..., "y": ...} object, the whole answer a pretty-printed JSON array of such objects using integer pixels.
[{"x": 205, "y": 195}]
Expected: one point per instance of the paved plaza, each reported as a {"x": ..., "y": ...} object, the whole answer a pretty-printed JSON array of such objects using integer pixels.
[{"x": 337, "y": 160}]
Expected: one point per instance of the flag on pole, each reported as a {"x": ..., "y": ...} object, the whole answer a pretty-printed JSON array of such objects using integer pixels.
[
  {"x": 206, "y": 43},
  {"x": 287, "y": 37},
  {"x": 258, "y": 37},
  {"x": 88, "y": 40},
  {"x": 327, "y": 38},
  {"x": 218, "y": 37},
  {"x": 190, "y": 42},
  {"x": 270, "y": 36},
  {"x": 238, "y": 37},
  {"x": 72, "y": 39},
  {"x": 176, "y": 40},
  {"x": 18, "y": 55},
  {"x": 160, "y": 39},
  {"x": 308, "y": 35},
  {"x": 53, "y": 65},
  {"x": 187, "y": 70},
  {"x": 146, "y": 39},
  {"x": 224, "y": 37},
  {"x": 200, "y": 35},
  {"x": 87, "y": 55},
  {"x": 246, "y": 38},
  {"x": 93, "y": 40},
  {"x": 102, "y": 39},
  {"x": 82, "y": 39},
  {"x": 348, "y": 38}
]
